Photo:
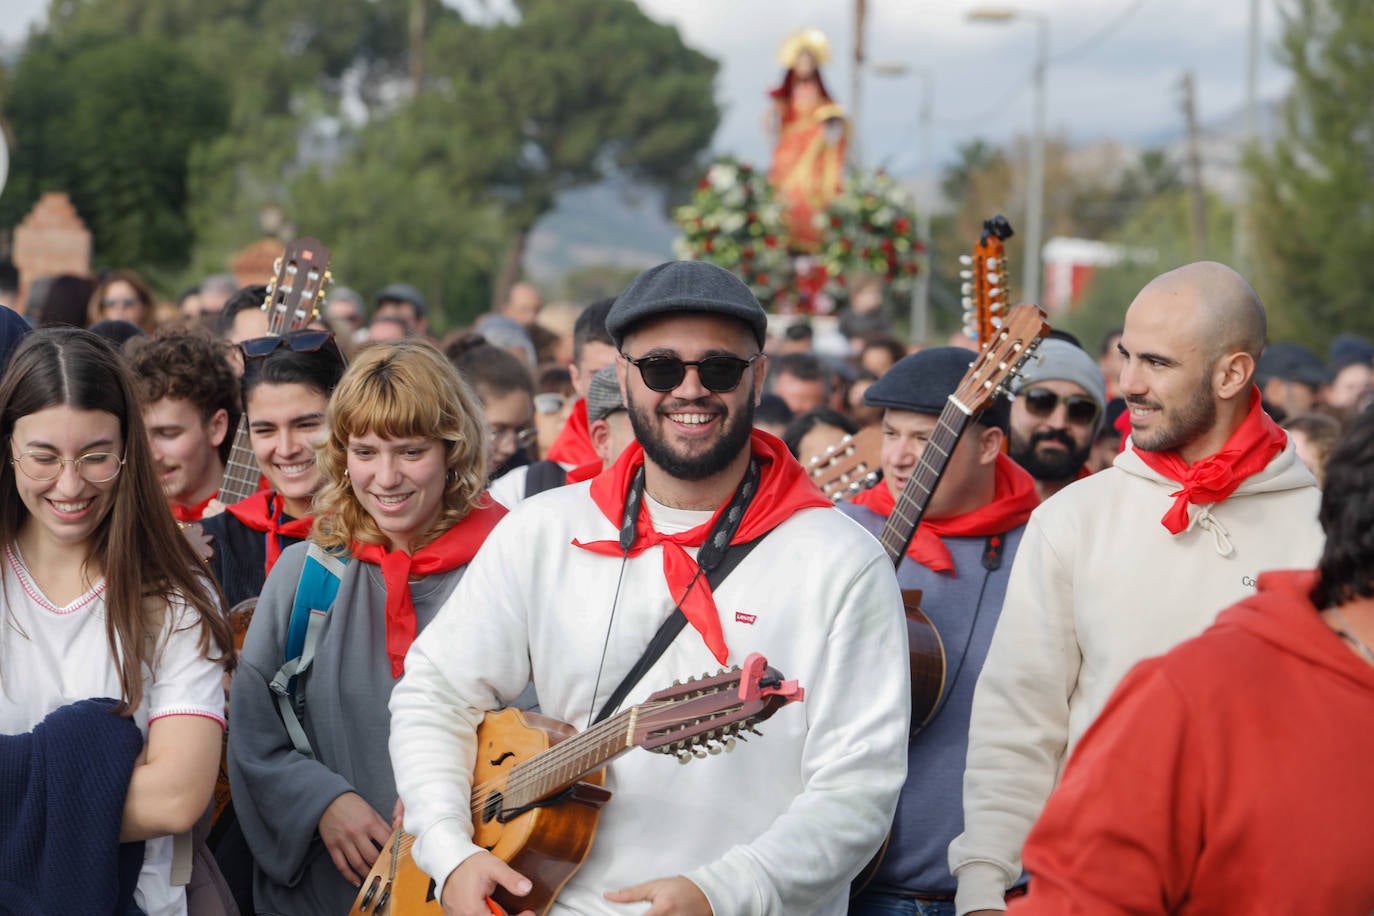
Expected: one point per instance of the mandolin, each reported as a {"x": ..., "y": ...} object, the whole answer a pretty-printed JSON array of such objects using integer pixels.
[
  {"x": 537, "y": 787},
  {"x": 984, "y": 275}
]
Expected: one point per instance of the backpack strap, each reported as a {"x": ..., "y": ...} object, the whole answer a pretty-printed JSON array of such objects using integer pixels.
[{"x": 315, "y": 593}]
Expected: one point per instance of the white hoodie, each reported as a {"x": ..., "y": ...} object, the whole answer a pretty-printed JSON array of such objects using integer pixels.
[{"x": 1099, "y": 584}]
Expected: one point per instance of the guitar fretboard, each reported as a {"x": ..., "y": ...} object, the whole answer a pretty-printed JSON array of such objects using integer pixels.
[
  {"x": 568, "y": 761},
  {"x": 241, "y": 473},
  {"x": 915, "y": 496}
]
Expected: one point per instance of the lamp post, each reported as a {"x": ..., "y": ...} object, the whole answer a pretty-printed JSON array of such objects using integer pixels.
[
  {"x": 1035, "y": 190},
  {"x": 920, "y": 299}
]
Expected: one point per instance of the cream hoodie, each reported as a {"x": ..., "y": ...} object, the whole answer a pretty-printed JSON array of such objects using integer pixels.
[{"x": 1099, "y": 584}]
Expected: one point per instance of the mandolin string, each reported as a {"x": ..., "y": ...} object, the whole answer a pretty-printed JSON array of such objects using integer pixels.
[{"x": 533, "y": 771}]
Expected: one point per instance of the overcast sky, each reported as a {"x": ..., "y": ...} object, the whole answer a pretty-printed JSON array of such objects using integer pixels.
[{"x": 1114, "y": 69}]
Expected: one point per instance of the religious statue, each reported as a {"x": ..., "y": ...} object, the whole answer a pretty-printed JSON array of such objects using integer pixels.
[{"x": 810, "y": 134}]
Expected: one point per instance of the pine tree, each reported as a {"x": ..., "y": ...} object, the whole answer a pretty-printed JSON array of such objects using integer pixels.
[{"x": 1314, "y": 191}]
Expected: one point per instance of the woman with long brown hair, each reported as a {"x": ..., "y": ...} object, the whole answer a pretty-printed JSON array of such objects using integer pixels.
[
  {"x": 103, "y": 597},
  {"x": 401, "y": 513}
]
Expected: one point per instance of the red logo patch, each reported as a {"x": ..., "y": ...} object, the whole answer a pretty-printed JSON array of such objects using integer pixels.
[{"x": 741, "y": 617}]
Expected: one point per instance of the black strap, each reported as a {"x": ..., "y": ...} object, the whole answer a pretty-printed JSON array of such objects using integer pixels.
[
  {"x": 716, "y": 558},
  {"x": 544, "y": 475},
  {"x": 668, "y": 631}
]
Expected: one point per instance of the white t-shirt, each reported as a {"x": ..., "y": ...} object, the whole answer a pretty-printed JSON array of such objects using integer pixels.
[{"x": 51, "y": 656}]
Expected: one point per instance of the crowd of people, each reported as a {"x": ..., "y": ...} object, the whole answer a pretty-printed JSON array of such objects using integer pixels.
[{"x": 1149, "y": 569}]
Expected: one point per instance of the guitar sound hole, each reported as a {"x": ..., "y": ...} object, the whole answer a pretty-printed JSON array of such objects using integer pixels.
[
  {"x": 502, "y": 759},
  {"x": 491, "y": 808}
]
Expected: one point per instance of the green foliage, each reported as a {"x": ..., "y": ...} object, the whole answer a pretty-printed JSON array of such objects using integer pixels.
[
  {"x": 1314, "y": 192},
  {"x": 576, "y": 89},
  {"x": 1156, "y": 240},
  {"x": 112, "y": 121}
]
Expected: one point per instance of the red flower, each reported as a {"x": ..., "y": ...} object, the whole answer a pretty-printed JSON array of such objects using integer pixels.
[
  {"x": 761, "y": 279},
  {"x": 901, "y": 225},
  {"x": 771, "y": 241},
  {"x": 836, "y": 222},
  {"x": 865, "y": 253},
  {"x": 703, "y": 185},
  {"x": 709, "y": 244},
  {"x": 887, "y": 245},
  {"x": 910, "y": 267}
]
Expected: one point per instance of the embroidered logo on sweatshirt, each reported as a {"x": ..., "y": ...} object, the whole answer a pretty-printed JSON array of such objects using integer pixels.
[
  {"x": 1248, "y": 581},
  {"x": 741, "y": 617}
]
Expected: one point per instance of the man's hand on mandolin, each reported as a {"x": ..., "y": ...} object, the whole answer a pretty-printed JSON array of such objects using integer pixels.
[
  {"x": 670, "y": 897},
  {"x": 467, "y": 888}
]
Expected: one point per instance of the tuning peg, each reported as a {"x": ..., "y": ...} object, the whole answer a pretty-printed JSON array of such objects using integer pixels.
[
  {"x": 699, "y": 753},
  {"x": 993, "y": 276},
  {"x": 966, "y": 288},
  {"x": 684, "y": 756},
  {"x": 966, "y": 302},
  {"x": 714, "y": 749},
  {"x": 965, "y": 275},
  {"x": 993, "y": 263},
  {"x": 729, "y": 744},
  {"x": 965, "y": 259},
  {"x": 996, "y": 322}
]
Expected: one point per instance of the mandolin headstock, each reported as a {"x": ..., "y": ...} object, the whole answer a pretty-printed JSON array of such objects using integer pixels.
[{"x": 706, "y": 715}]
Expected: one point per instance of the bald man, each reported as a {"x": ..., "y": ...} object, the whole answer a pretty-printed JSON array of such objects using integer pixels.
[{"x": 1131, "y": 561}]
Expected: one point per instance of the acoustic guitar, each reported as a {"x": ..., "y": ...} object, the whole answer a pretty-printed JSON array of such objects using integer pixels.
[
  {"x": 849, "y": 466},
  {"x": 537, "y": 787}
]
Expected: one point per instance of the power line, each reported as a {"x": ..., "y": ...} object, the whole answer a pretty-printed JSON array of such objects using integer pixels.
[{"x": 1100, "y": 35}]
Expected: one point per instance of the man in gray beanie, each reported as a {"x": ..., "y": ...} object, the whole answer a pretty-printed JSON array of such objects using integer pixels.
[{"x": 1060, "y": 397}]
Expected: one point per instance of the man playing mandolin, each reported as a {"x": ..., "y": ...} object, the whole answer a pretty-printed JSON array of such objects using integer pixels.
[
  {"x": 959, "y": 559},
  {"x": 571, "y": 588}
]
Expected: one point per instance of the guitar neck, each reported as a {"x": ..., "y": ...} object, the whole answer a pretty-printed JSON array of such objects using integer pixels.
[
  {"x": 569, "y": 761},
  {"x": 241, "y": 473},
  {"x": 915, "y": 496}
]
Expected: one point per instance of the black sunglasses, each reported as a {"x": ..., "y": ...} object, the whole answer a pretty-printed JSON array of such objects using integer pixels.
[
  {"x": 309, "y": 340},
  {"x": 717, "y": 373},
  {"x": 1079, "y": 408}
]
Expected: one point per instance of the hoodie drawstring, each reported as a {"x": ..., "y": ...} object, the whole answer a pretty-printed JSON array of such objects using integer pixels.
[{"x": 1203, "y": 518}]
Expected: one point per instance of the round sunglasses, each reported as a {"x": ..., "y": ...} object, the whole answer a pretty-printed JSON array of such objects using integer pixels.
[
  {"x": 717, "y": 373},
  {"x": 1079, "y": 408}
]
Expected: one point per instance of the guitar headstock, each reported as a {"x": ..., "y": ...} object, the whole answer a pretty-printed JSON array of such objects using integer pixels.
[
  {"x": 849, "y": 466},
  {"x": 1014, "y": 340},
  {"x": 295, "y": 292},
  {"x": 985, "y": 281},
  {"x": 705, "y": 715}
]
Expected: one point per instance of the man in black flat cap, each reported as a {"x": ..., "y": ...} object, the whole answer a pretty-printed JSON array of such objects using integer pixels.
[
  {"x": 570, "y": 589},
  {"x": 960, "y": 559}
]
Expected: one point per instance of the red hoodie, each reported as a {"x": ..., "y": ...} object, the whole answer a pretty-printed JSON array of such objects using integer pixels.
[{"x": 1231, "y": 775}]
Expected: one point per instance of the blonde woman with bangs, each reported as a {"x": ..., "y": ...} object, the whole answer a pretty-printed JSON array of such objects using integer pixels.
[{"x": 401, "y": 513}]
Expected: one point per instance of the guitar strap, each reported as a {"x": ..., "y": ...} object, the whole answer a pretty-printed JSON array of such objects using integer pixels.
[{"x": 715, "y": 560}]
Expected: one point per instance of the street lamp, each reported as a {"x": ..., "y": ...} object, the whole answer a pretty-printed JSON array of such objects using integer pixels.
[
  {"x": 1035, "y": 190},
  {"x": 920, "y": 299}
]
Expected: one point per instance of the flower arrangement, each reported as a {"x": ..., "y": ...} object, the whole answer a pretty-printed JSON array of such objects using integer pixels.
[
  {"x": 735, "y": 221},
  {"x": 870, "y": 227}
]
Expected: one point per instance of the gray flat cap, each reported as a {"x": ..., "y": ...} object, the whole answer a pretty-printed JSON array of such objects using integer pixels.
[{"x": 685, "y": 287}]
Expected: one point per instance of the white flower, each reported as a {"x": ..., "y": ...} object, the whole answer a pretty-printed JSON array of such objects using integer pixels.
[
  {"x": 722, "y": 177},
  {"x": 732, "y": 222},
  {"x": 734, "y": 197}
]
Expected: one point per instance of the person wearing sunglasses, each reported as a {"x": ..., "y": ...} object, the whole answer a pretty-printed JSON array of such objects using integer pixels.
[
  {"x": 123, "y": 295},
  {"x": 1055, "y": 415},
  {"x": 401, "y": 513},
  {"x": 571, "y": 587},
  {"x": 102, "y": 598}
]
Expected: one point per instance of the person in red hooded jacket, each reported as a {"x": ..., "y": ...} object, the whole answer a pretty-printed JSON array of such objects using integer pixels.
[{"x": 1231, "y": 775}]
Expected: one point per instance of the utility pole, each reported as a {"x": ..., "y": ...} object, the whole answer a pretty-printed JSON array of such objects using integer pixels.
[
  {"x": 418, "y": 15},
  {"x": 1241, "y": 231},
  {"x": 1198, "y": 224},
  {"x": 856, "y": 81}
]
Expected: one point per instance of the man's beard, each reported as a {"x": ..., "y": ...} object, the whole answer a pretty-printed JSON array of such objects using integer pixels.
[
  {"x": 733, "y": 438},
  {"x": 1054, "y": 465},
  {"x": 1180, "y": 426}
]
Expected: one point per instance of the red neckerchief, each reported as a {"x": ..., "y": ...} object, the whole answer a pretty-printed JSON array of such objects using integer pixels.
[
  {"x": 585, "y": 471},
  {"x": 1123, "y": 426},
  {"x": 190, "y": 513},
  {"x": 1248, "y": 451},
  {"x": 452, "y": 549},
  {"x": 1013, "y": 499},
  {"x": 264, "y": 511},
  {"x": 574, "y": 442},
  {"x": 784, "y": 489}
]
